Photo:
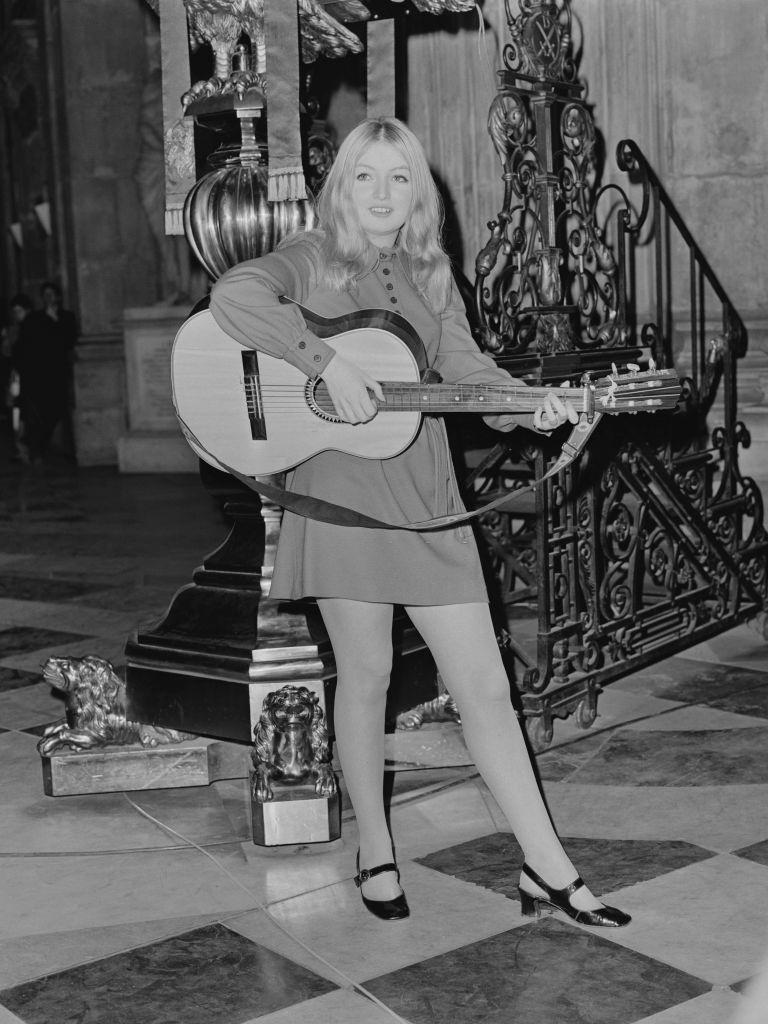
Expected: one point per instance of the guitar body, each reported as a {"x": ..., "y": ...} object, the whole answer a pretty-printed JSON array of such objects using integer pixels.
[{"x": 219, "y": 413}]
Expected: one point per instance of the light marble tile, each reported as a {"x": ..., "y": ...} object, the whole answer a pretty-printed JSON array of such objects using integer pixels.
[
  {"x": 707, "y": 919},
  {"x": 285, "y": 874},
  {"x": 721, "y": 818},
  {"x": 441, "y": 819},
  {"x": 30, "y": 957},
  {"x": 45, "y": 895},
  {"x": 6, "y": 1017},
  {"x": 754, "y": 1005},
  {"x": 31, "y": 705},
  {"x": 333, "y": 1008},
  {"x": 743, "y": 645},
  {"x": 445, "y": 913},
  {"x": 433, "y": 745},
  {"x": 716, "y": 1007},
  {"x": 38, "y": 824},
  {"x": 614, "y": 708},
  {"x": 694, "y": 718}
]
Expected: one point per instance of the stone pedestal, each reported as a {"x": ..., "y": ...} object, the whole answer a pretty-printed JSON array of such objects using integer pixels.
[
  {"x": 98, "y": 419},
  {"x": 154, "y": 442},
  {"x": 296, "y": 815},
  {"x": 114, "y": 769}
]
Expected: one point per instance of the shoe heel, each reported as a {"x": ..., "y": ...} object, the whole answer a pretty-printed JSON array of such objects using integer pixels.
[{"x": 528, "y": 905}]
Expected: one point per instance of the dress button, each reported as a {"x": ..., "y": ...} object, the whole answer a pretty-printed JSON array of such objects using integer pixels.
[
  {"x": 386, "y": 270},
  {"x": 390, "y": 287},
  {"x": 392, "y": 298},
  {"x": 302, "y": 344},
  {"x": 317, "y": 358}
]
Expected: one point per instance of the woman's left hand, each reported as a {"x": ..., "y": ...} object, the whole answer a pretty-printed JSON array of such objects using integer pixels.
[{"x": 554, "y": 412}]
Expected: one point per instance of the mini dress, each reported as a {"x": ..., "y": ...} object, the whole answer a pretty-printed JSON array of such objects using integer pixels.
[{"x": 317, "y": 559}]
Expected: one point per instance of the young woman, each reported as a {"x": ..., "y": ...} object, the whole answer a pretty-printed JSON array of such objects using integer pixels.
[{"x": 378, "y": 246}]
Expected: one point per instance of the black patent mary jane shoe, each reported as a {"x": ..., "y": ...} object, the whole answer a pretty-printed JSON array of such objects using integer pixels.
[
  {"x": 602, "y": 917},
  {"x": 387, "y": 910}
]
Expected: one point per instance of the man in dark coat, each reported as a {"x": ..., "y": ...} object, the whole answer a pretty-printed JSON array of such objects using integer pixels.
[{"x": 43, "y": 356}]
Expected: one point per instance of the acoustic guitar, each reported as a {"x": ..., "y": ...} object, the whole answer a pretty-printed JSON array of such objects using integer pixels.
[{"x": 260, "y": 415}]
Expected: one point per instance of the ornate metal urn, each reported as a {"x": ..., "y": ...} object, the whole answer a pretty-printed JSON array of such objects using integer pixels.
[
  {"x": 227, "y": 218},
  {"x": 227, "y": 215}
]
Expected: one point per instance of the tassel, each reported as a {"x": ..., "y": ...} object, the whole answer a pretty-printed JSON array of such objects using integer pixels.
[
  {"x": 286, "y": 184},
  {"x": 285, "y": 174}
]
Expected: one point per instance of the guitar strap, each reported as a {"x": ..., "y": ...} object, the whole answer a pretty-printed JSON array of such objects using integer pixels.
[{"x": 340, "y": 515}]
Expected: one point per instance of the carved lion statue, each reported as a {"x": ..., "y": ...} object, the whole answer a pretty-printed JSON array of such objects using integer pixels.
[
  {"x": 95, "y": 706},
  {"x": 291, "y": 743}
]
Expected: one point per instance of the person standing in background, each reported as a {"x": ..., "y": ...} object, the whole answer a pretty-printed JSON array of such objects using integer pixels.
[
  {"x": 21, "y": 306},
  {"x": 43, "y": 356}
]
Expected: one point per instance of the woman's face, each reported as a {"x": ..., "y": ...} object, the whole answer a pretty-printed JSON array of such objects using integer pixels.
[{"x": 382, "y": 192}]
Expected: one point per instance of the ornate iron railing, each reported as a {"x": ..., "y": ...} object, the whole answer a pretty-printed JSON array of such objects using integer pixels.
[{"x": 655, "y": 540}]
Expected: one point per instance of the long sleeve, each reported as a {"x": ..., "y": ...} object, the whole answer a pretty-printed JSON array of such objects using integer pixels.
[
  {"x": 245, "y": 303},
  {"x": 460, "y": 361}
]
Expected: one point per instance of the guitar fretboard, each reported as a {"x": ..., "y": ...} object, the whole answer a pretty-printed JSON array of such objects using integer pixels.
[{"x": 440, "y": 398}]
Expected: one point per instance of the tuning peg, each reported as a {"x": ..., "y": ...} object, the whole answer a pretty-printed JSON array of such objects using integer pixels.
[{"x": 633, "y": 367}]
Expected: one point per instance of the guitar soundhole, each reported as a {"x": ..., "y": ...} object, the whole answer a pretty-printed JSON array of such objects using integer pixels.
[{"x": 319, "y": 401}]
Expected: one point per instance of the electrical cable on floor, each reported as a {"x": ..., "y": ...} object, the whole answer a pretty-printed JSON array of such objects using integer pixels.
[{"x": 265, "y": 910}]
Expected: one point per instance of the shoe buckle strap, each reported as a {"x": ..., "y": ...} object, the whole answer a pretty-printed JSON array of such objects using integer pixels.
[
  {"x": 569, "y": 890},
  {"x": 365, "y": 873}
]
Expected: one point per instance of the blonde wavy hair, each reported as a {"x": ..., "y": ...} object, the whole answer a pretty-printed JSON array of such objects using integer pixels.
[{"x": 346, "y": 248}]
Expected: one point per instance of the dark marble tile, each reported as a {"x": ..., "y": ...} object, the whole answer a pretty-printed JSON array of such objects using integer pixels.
[
  {"x": 16, "y": 678},
  {"x": 38, "y": 730},
  {"x": 30, "y": 638},
  {"x": 494, "y": 861},
  {"x": 38, "y": 588},
  {"x": 757, "y": 852},
  {"x": 543, "y": 973},
  {"x": 726, "y": 687},
  {"x": 698, "y": 758},
  {"x": 208, "y": 976}
]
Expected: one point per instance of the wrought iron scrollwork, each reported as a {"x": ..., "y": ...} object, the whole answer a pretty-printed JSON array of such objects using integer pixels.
[
  {"x": 655, "y": 540},
  {"x": 547, "y": 278}
]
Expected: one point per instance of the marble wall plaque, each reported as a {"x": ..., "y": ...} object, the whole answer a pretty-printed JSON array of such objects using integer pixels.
[{"x": 149, "y": 334}]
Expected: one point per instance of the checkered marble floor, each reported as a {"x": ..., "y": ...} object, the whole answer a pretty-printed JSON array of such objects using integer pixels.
[{"x": 108, "y": 918}]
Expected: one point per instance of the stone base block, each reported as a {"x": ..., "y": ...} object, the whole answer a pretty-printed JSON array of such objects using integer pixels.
[
  {"x": 114, "y": 769},
  {"x": 295, "y": 816}
]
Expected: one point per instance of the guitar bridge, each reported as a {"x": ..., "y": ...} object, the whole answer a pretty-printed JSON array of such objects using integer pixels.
[{"x": 253, "y": 401}]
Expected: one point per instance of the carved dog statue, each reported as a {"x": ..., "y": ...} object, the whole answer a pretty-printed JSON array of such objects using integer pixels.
[
  {"x": 95, "y": 706},
  {"x": 291, "y": 743}
]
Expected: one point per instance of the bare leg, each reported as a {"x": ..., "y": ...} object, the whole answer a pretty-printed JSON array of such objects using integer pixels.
[
  {"x": 361, "y": 637},
  {"x": 463, "y": 643}
]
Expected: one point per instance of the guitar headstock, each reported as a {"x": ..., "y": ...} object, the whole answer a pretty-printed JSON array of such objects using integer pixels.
[{"x": 636, "y": 390}]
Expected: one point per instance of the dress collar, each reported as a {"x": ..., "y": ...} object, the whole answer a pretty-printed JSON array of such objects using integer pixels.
[{"x": 382, "y": 254}]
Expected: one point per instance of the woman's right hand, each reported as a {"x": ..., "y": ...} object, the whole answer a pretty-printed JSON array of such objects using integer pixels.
[{"x": 350, "y": 389}]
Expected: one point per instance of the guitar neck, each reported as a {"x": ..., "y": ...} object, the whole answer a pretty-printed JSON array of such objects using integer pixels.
[{"x": 483, "y": 398}]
